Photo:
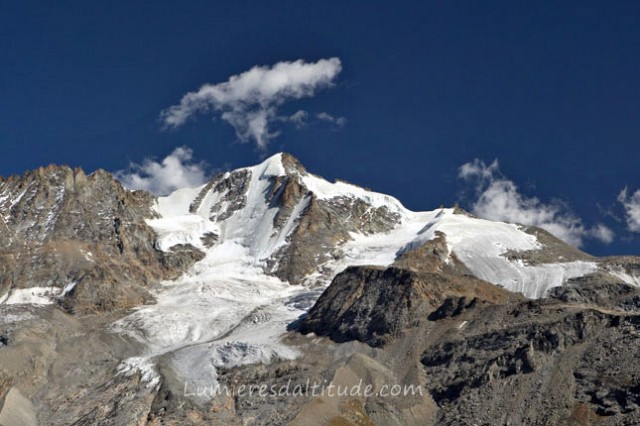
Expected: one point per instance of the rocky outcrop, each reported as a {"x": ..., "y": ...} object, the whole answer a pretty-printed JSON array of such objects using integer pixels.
[
  {"x": 554, "y": 249},
  {"x": 431, "y": 256},
  {"x": 600, "y": 289},
  {"x": 375, "y": 305},
  {"x": 492, "y": 358},
  {"x": 86, "y": 234},
  {"x": 323, "y": 225},
  {"x": 538, "y": 362}
]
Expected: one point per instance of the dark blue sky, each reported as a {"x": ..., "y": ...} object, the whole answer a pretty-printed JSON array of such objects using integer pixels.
[{"x": 551, "y": 89}]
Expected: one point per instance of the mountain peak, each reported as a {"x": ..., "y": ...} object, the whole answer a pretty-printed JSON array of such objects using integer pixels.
[
  {"x": 291, "y": 163},
  {"x": 279, "y": 164}
]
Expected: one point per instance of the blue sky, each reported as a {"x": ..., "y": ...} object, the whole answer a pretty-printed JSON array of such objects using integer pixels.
[{"x": 549, "y": 89}]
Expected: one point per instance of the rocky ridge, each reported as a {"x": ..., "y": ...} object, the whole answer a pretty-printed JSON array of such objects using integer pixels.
[{"x": 85, "y": 237}]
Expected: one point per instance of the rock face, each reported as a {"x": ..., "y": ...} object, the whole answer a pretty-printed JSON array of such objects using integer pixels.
[
  {"x": 488, "y": 356},
  {"x": 374, "y": 305},
  {"x": 537, "y": 363},
  {"x": 84, "y": 236}
]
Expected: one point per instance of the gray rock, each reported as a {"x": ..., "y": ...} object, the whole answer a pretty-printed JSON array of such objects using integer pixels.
[
  {"x": 62, "y": 226},
  {"x": 375, "y": 305}
]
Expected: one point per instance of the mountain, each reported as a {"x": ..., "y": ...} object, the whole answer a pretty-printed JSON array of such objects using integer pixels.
[{"x": 272, "y": 275}]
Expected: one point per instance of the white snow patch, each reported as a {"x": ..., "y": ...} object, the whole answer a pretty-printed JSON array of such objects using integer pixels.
[
  {"x": 272, "y": 166},
  {"x": 481, "y": 245},
  {"x": 30, "y": 296},
  {"x": 222, "y": 311},
  {"x": 12, "y": 318},
  {"x": 185, "y": 229},
  {"x": 327, "y": 190},
  {"x": 178, "y": 202},
  {"x": 625, "y": 276},
  {"x": 250, "y": 227},
  {"x": 143, "y": 366}
]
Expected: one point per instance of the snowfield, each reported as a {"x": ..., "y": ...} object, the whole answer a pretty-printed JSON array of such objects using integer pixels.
[
  {"x": 30, "y": 296},
  {"x": 227, "y": 312}
]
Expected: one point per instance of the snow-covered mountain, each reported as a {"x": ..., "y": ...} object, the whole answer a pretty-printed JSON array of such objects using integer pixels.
[
  {"x": 212, "y": 278},
  {"x": 279, "y": 220},
  {"x": 275, "y": 235}
]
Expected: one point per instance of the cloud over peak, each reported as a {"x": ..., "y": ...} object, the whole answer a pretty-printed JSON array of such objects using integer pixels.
[
  {"x": 249, "y": 101},
  {"x": 175, "y": 171},
  {"x": 631, "y": 204},
  {"x": 498, "y": 199}
]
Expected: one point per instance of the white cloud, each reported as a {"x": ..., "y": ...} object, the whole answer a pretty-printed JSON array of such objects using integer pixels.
[
  {"x": 498, "y": 199},
  {"x": 249, "y": 101},
  {"x": 631, "y": 205},
  {"x": 176, "y": 171},
  {"x": 601, "y": 233},
  {"x": 299, "y": 118},
  {"x": 338, "y": 121},
  {"x": 477, "y": 169}
]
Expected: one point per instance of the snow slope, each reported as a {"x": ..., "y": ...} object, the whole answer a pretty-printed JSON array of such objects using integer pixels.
[
  {"x": 226, "y": 311},
  {"x": 30, "y": 296}
]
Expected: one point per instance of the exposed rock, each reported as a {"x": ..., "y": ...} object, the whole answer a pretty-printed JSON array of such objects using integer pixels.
[
  {"x": 17, "y": 410},
  {"x": 62, "y": 227},
  {"x": 321, "y": 227},
  {"x": 536, "y": 363},
  {"x": 600, "y": 289},
  {"x": 375, "y": 305},
  {"x": 209, "y": 239},
  {"x": 317, "y": 225},
  {"x": 234, "y": 187},
  {"x": 432, "y": 256},
  {"x": 554, "y": 249}
]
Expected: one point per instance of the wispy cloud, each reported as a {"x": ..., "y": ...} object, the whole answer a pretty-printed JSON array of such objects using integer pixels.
[
  {"x": 498, "y": 199},
  {"x": 302, "y": 118},
  {"x": 631, "y": 204},
  {"x": 338, "y": 121},
  {"x": 175, "y": 171},
  {"x": 249, "y": 101},
  {"x": 298, "y": 119}
]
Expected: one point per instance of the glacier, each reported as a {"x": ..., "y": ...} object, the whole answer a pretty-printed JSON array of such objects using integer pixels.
[{"x": 228, "y": 311}]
